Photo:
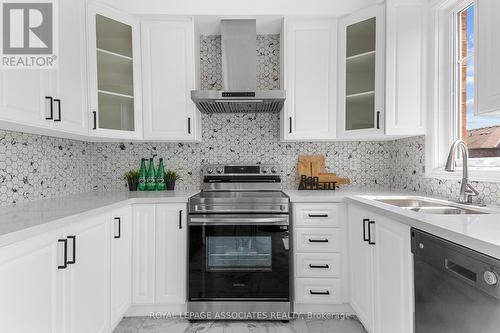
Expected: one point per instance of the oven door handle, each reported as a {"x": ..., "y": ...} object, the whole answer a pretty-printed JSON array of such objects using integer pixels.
[{"x": 238, "y": 221}]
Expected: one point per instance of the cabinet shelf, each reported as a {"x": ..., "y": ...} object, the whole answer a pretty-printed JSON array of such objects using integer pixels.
[
  {"x": 114, "y": 54},
  {"x": 114, "y": 94},
  {"x": 361, "y": 55},
  {"x": 360, "y": 95}
]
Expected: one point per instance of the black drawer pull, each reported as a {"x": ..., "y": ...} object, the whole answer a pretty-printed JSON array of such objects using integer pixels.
[
  {"x": 319, "y": 266},
  {"x": 317, "y": 215},
  {"x": 318, "y": 240},
  {"x": 370, "y": 232},
  {"x": 94, "y": 113},
  {"x": 290, "y": 125},
  {"x": 378, "y": 119},
  {"x": 189, "y": 125},
  {"x": 73, "y": 260},
  {"x": 119, "y": 220},
  {"x": 58, "y": 101},
  {"x": 365, "y": 238},
  {"x": 65, "y": 265},
  {"x": 180, "y": 219},
  {"x": 51, "y": 100},
  {"x": 326, "y": 292}
]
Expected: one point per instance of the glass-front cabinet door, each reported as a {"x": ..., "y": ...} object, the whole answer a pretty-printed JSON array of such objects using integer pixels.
[
  {"x": 361, "y": 87},
  {"x": 114, "y": 82}
]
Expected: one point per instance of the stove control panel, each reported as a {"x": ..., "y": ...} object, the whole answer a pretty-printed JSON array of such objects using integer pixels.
[{"x": 233, "y": 169}]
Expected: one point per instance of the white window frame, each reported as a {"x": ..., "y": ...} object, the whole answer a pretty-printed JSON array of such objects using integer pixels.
[{"x": 442, "y": 115}]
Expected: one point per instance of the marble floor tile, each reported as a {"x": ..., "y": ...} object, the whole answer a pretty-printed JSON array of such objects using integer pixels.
[{"x": 151, "y": 325}]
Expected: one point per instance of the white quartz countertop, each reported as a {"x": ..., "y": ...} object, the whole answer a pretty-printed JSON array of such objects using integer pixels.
[
  {"x": 20, "y": 221},
  {"x": 480, "y": 232}
]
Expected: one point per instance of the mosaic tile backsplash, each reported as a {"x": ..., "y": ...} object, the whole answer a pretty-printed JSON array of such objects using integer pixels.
[{"x": 76, "y": 166}]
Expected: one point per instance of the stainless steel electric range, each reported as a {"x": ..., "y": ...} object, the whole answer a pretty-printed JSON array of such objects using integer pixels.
[{"x": 239, "y": 244}]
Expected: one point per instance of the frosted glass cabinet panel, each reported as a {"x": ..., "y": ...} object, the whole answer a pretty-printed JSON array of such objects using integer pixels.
[
  {"x": 361, "y": 87},
  {"x": 114, "y": 66}
]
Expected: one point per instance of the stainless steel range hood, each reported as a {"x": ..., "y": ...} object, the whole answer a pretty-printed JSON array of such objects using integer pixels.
[{"x": 238, "y": 75}]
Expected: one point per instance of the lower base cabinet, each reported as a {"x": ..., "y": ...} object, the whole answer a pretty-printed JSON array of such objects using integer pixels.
[
  {"x": 121, "y": 263},
  {"x": 31, "y": 293},
  {"x": 88, "y": 272},
  {"x": 159, "y": 254},
  {"x": 381, "y": 272}
]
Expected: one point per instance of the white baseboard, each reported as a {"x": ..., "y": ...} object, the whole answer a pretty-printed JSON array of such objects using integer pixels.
[{"x": 161, "y": 310}]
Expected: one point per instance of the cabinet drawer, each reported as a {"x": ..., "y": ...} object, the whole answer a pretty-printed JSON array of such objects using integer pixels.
[
  {"x": 318, "y": 291},
  {"x": 317, "y": 215},
  {"x": 317, "y": 240},
  {"x": 317, "y": 265}
]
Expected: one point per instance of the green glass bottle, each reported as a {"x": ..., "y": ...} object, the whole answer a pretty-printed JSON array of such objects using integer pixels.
[
  {"x": 160, "y": 174},
  {"x": 142, "y": 176},
  {"x": 151, "y": 176}
]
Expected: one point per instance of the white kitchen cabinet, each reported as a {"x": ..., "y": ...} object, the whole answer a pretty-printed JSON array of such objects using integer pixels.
[
  {"x": 393, "y": 276},
  {"x": 361, "y": 267},
  {"x": 361, "y": 73},
  {"x": 171, "y": 254},
  {"x": 487, "y": 53},
  {"x": 114, "y": 75},
  {"x": 310, "y": 65},
  {"x": 22, "y": 99},
  {"x": 68, "y": 81},
  {"x": 143, "y": 254},
  {"x": 50, "y": 101},
  {"x": 121, "y": 263},
  {"x": 169, "y": 75},
  {"x": 405, "y": 67},
  {"x": 381, "y": 272},
  {"x": 88, "y": 277},
  {"x": 31, "y": 293}
]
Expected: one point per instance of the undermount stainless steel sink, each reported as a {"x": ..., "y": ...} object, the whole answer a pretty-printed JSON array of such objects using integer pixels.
[{"x": 430, "y": 206}]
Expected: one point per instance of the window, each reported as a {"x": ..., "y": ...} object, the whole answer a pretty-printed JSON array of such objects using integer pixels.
[
  {"x": 481, "y": 133},
  {"x": 451, "y": 114}
]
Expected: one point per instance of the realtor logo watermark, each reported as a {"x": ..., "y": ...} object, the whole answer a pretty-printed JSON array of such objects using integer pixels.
[{"x": 29, "y": 35}]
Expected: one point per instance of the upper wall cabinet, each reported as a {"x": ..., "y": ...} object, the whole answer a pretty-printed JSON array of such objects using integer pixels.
[
  {"x": 168, "y": 72},
  {"x": 114, "y": 73},
  {"x": 361, "y": 73},
  {"x": 50, "y": 101},
  {"x": 487, "y": 55},
  {"x": 310, "y": 77},
  {"x": 405, "y": 67}
]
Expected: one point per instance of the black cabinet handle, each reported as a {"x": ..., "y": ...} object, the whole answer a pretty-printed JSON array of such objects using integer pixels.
[
  {"x": 318, "y": 240},
  {"x": 326, "y": 292},
  {"x": 290, "y": 125},
  {"x": 370, "y": 232},
  {"x": 58, "y": 101},
  {"x": 51, "y": 107},
  {"x": 180, "y": 219},
  {"x": 189, "y": 125},
  {"x": 119, "y": 227},
  {"x": 365, "y": 238},
  {"x": 95, "y": 119},
  {"x": 73, "y": 261},
  {"x": 317, "y": 215},
  {"x": 65, "y": 243},
  {"x": 378, "y": 119},
  {"x": 319, "y": 266}
]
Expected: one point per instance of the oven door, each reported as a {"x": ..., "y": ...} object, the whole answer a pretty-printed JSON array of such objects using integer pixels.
[{"x": 235, "y": 257}]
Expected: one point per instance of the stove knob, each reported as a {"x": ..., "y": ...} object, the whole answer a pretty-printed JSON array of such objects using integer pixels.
[
  {"x": 265, "y": 170},
  {"x": 274, "y": 170},
  {"x": 220, "y": 170},
  {"x": 490, "y": 278},
  {"x": 210, "y": 170}
]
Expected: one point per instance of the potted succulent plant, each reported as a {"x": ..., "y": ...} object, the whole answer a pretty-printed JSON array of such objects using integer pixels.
[
  {"x": 170, "y": 178},
  {"x": 132, "y": 178}
]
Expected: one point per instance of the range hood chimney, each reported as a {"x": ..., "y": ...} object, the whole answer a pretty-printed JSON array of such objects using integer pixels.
[{"x": 239, "y": 78}]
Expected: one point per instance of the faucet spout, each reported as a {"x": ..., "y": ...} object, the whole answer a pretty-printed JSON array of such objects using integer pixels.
[{"x": 467, "y": 191}]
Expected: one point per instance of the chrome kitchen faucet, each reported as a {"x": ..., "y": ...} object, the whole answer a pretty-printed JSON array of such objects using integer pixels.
[{"x": 467, "y": 191}]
